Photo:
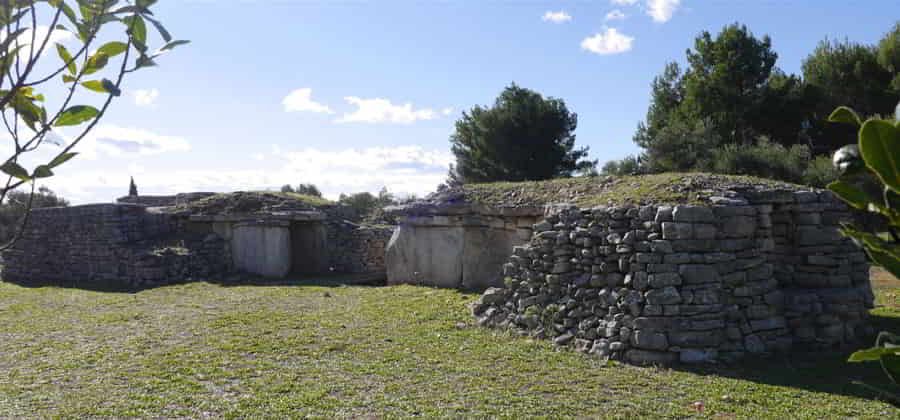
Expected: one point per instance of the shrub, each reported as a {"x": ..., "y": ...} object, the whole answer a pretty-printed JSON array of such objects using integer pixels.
[
  {"x": 763, "y": 159},
  {"x": 820, "y": 172}
]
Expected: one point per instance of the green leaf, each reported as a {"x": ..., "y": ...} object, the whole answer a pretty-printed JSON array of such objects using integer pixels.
[
  {"x": 888, "y": 260},
  {"x": 95, "y": 85},
  {"x": 67, "y": 79},
  {"x": 166, "y": 36},
  {"x": 870, "y": 354},
  {"x": 112, "y": 49},
  {"x": 144, "y": 61},
  {"x": 849, "y": 193},
  {"x": 14, "y": 169},
  {"x": 136, "y": 28},
  {"x": 96, "y": 63},
  {"x": 63, "y": 158},
  {"x": 145, "y": 3},
  {"x": 70, "y": 14},
  {"x": 42, "y": 171},
  {"x": 844, "y": 115},
  {"x": 173, "y": 44},
  {"x": 76, "y": 115},
  {"x": 66, "y": 58},
  {"x": 891, "y": 365},
  {"x": 879, "y": 143},
  {"x": 111, "y": 87}
]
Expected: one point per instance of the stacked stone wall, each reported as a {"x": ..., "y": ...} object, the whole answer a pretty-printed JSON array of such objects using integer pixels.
[
  {"x": 660, "y": 284},
  {"x": 356, "y": 248},
  {"x": 116, "y": 246},
  {"x": 148, "y": 200}
]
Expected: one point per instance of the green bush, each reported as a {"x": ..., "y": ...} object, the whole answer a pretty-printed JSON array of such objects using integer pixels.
[
  {"x": 820, "y": 172},
  {"x": 763, "y": 159}
]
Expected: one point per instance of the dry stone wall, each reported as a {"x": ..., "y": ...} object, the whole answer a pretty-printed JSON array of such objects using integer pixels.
[
  {"x": 748, "y": 274},
  {"x": 110, "y": 246},
  {"x": 354, "y": 248}
]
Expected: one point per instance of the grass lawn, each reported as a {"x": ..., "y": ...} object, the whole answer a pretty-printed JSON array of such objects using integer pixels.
[{"x": 325, "y": 350}]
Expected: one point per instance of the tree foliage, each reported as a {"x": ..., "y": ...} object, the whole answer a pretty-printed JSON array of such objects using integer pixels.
[
  {"x": 14, "y": 209},
  {"x": 29, "y": 119},
  {"x": 132, "y": 188},
  {"x": 733, "y": 110},
  {"x": 305, "y": 189},
  {"x": 523, "y": 136}
]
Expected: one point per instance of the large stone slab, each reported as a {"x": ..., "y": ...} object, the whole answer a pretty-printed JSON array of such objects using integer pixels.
[
  {"x": 262, "y": 248},
  {"x": 431, "y": 256},
  {"x": 484, "y": 253}
]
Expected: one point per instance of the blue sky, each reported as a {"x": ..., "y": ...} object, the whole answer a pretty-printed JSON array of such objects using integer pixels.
[{"x": 353, "y": 95}]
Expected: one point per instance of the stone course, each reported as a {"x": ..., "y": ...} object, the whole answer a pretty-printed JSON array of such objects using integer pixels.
[
  {"x": 110, "y": 246},
  {"x": 753, "y": 273},
  {"x": 130, "y": 246}
]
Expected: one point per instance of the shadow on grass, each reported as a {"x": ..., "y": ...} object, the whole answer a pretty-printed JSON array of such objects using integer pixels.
[
  {"x": 826, "y": 371},
  {"x": 321, "y": 280}
]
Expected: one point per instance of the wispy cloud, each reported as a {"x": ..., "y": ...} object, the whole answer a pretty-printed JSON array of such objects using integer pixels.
[
  {"x": 379, "y": 110},
  {"x": 624, "y": 2},
  {"x": 662, "y": 10},
  {"x": 145, "y": 97},
  {"x": 615, "y": 15},
  {"x": 300, "y": 100},
  {"x": 607, "y": 42},
  {"x": 556, "y": 17},
  {"x": 402, "y": 169}
]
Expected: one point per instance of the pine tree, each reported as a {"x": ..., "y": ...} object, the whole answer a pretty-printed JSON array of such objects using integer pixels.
[{"x": 132, "y": 189}]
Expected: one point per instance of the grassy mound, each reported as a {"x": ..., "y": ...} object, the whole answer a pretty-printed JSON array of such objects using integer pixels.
[
  {"x": 251, "y": 202},
  {"x": 322, "y": 350},
  {"x": 667, "y": 188}
]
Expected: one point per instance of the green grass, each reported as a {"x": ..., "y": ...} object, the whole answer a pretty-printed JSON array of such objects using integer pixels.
[
  {"x": 666, "y": 188},
  {"x": 323, "y": 350}
]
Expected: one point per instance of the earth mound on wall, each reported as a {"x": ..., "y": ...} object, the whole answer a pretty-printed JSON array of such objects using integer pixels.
[
  {"x": 667, "y": 188},
  {"x": 251, "y": 202}
]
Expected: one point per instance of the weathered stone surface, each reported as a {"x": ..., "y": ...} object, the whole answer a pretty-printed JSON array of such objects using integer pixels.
[
  {"x": 691, "y": 288},
  {"x": 650, "y": 340},
  {"x": 429, "y": 256}
]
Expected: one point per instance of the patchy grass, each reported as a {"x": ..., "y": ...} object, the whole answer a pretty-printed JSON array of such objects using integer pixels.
[
  {"x": 666, "y": 188},
  {"x": 325, "y": 350},
  {"x": 248, "y": 202}
]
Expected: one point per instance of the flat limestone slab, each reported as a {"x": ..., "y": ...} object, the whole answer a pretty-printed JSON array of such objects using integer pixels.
[{"x": 262, "y": 248}]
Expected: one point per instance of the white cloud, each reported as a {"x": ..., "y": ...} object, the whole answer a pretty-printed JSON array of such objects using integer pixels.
[
  {"x": 300, "y": 100},
  {"x": 447, "y": 111},
  {"x": 24, "y": 39},
  {"x": 145, "y": 97},
  {"x": 615, "y": 15},
  {"x": 378, "y": 110},
  {"x": 115, "y": 141},
  {"x": 624, "y": 2},
  {"x": 259, "y": 156},
  {"x": 662, "y": 10},
  {"x": 608, "y": 42},
  {"x": 556, "y": 17},
  {"x": 403, "y": 170}
]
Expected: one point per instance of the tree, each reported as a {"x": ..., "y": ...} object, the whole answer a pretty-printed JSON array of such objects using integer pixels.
[
  {"x": 363, "y": 203},
  {"x": 523, "y": 136},
  {"x": 889, "y": 55},
  {"x": 16, "y": 206},
  {"x": 308, "y": 189},
  {"x": 28, "y": 117},
  {"x": 287, "y": 188},
  {"x": 630, "y": 165},
  {"x": 132, "y": 189},
  {"x": 726, "y": 81}
]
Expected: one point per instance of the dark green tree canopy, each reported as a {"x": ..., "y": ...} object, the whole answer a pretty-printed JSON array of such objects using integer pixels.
[
  {"x": 132, "y": 188},
  {"x": 523, "y": 136}
]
